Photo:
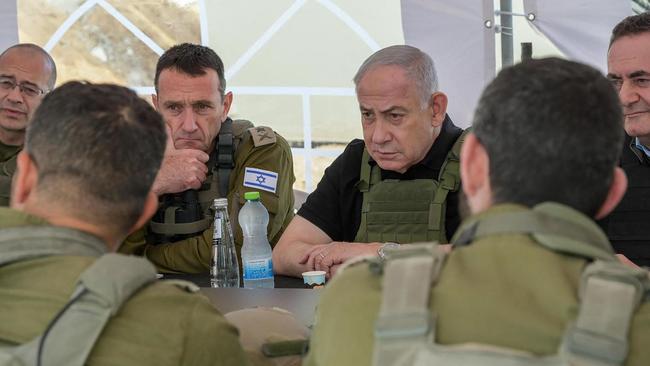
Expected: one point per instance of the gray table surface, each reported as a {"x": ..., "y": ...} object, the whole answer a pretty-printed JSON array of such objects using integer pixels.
[
  {"x": 289, "y": 294},
  {"x": 301, "y": 302}
]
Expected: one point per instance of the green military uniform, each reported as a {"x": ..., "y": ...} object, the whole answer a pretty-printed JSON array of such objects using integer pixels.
[
  {"x": 7, "y": 168},
  {"x": 258, "y": 148},
  {"x": 505, "y": 290},
  {"x": 160, "y": 325}
]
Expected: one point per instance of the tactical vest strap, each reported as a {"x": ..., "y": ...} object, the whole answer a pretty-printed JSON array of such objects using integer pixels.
[
  {"x": 100, "y": 292},
  {"x": 180, "y": 228},
  {"x": 368, "y": 176},
  {"x": 449, "y": 181},
  {"x": 610, "y": 293},
  {"x": 405, "y": 322},
  {"x": 225, "y": 155}
]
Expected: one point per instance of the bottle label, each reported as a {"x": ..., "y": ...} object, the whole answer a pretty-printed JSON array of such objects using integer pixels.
[
  {"x": 258, "y": 269},
  {"x": 217, "y": 229}
]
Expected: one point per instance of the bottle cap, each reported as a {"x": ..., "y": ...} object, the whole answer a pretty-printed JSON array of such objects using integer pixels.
[
  {"x": 220, "y": 202},
  {"x": 252, "y": 196}
]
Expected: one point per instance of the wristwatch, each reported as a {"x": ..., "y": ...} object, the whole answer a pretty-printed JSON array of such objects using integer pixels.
[{"x": 383, "y": 247}]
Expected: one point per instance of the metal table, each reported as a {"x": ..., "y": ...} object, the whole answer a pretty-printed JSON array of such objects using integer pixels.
[{"x": 289, "y": 294}]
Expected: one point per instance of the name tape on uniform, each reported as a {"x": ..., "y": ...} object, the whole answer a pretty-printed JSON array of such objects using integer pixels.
[{"x": 261, "y": 179}]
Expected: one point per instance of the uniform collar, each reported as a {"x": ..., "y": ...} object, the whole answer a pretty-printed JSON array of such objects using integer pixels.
[
  {"x": 555, "y": 226},
  {"x": 21, "y": 232},
  {"x": 7, "y": 151}
]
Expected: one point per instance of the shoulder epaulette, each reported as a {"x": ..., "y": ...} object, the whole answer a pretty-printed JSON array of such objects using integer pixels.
[{"x": 262, "y": 135}]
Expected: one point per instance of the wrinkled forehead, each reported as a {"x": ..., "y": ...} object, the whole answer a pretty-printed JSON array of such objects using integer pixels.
[
  {"x": 179, "y": 86},
  {"x": 26, "y": 65}
]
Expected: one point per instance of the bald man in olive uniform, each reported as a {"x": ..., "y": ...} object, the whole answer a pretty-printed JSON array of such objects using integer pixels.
[{"x": 27, "y": 73}]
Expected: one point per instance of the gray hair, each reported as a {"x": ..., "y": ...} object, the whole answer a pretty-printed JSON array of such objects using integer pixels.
[{"x": 418, "y": 66}]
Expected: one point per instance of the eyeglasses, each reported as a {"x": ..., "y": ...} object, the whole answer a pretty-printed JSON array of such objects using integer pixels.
[{"x": 29, "y": 90}]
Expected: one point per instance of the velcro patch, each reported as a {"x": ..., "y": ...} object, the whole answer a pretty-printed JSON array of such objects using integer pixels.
[
  {"x": 260, "y": 179},
  {"x": 262, "y": 135}
]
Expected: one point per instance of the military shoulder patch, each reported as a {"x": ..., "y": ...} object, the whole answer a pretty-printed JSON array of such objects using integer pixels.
[
  {"x": 260, "y": 179},
  {"x": 262, "y": 135}
]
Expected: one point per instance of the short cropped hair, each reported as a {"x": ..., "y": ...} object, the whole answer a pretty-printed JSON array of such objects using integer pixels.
[
  {"x": 98, "y": 148},
  {"x": 46, "y": 56},
  {"x": 417, "y": 64},
  {"x": 630, "y": 26},
  {"x": 553, "y": 131},
  {"x": 193, "y": 60}
]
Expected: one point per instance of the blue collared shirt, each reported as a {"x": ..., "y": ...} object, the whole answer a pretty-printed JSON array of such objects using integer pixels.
[{"x": 642, "y": 147}]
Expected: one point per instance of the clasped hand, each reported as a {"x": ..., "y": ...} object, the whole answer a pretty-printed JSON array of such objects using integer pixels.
[{"x": 329, "y": 257}]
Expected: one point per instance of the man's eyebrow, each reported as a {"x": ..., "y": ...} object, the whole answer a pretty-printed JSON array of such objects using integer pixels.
[
  {"x": 636, "y": 74},
  {"x": 394, "y": 108},
  {"x": 203, "y": 101},
  {"x": 613, "y": 76},
  {"x": 31, "y": 83},
  {"x": 171, "y": 102}
]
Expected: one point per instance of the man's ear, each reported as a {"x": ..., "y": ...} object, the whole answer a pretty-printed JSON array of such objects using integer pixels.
[
  {"x": 616, "y": 192},
  {"x": 475, "y": 174},
  {"x": 24, "y": 180},
  {"x": 154, "y": 100},
  {"x": 439, "y": 108},
  {"x": 149, "y": 208},
  {"x": 227, "y": 103}
]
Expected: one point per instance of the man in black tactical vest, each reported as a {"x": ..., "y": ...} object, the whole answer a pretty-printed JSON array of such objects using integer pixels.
[
  {"x": 27, "y": 73},
  {"x": 628, "y": 64},
  {"x": 208, "y": 156},
  {"x": 398, "y": 185}
]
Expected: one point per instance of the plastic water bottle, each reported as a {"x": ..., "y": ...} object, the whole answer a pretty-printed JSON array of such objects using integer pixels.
[
  {"x": 224, "y": 268},
  {"x": 256, "y": 251}
]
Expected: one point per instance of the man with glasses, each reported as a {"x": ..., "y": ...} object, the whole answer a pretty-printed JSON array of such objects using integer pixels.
[{"x": 27, "y": 72}]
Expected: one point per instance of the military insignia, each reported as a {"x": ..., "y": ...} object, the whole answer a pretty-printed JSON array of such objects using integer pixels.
[
  {"x": 260, "y": 179},
  {"x": 262, "y": 135}
]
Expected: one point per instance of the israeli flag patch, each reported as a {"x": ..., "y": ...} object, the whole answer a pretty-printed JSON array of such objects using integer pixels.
[{"x": 260, "y": 179}]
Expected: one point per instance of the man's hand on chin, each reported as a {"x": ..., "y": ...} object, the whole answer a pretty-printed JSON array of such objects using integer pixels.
[{"x": 181, "y": 169}]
